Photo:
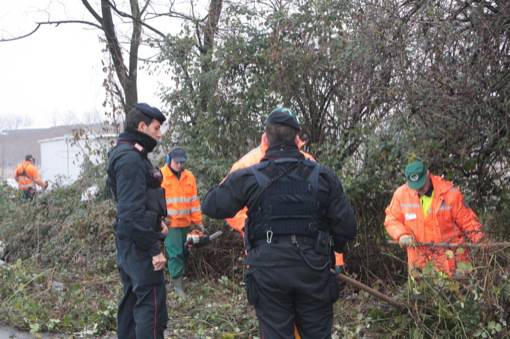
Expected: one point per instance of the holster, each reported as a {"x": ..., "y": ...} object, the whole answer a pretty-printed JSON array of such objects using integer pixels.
[{"x": 323, "y": 243}]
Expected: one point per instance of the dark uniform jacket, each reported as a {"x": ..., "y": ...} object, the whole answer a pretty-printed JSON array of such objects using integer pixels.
[
  {"x": 239, "y": 190},
  {"x": 135, "y": 186}
]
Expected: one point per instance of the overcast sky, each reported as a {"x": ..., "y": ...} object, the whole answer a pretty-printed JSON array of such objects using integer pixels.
[{"x": 55, "y": 75}]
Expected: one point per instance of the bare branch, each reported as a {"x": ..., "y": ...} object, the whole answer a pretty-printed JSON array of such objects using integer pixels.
[
  {"x": 138, "y": 21},
  {"x": 144, "y": 7},
  {"x": 92, "y": 11},
  {"x": 22, "y": 36},
  {"x": 59, "y": 22},
  {"x": 176, "y": 15}
]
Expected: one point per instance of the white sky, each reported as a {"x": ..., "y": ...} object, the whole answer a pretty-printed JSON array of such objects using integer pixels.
[{"x": 55, "y": 75}]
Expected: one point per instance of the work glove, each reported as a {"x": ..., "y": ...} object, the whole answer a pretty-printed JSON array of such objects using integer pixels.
[{"x": 406, "y": 240}]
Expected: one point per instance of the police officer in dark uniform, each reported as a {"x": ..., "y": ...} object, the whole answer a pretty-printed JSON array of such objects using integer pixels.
[
  {"x": 297, "y": 215},
  {"x": 136, "y": 187}
]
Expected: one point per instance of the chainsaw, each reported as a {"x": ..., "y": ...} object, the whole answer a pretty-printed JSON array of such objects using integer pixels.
[{"x": 197, "y": 238}]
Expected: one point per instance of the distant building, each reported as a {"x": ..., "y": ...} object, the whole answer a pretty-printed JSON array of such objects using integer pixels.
[
  {"x": 15, "y": 144},
  {"x": 62, "y": 157}
]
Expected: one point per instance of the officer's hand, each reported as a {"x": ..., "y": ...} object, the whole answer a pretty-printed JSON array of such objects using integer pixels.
[
  {"x": 406, "y": 240},
  {"x": 164, "y": 228},
  {"x": 159, "y": 262}
]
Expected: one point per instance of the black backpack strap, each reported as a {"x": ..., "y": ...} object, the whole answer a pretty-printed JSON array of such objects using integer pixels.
[
  {"x": 313, "y": 178},
  {"x": 264, "y": 181}
]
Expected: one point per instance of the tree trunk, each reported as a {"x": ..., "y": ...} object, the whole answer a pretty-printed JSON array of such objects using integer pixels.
[{"x": 207, "y": 85}]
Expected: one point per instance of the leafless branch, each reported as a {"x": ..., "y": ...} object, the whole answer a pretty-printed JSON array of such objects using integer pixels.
[
  {"x": 126, "y": 15},
  {"x": 59, "y": 22},
  {"x": 92, "y": 11},
  {"x": 22, "y": 36}
]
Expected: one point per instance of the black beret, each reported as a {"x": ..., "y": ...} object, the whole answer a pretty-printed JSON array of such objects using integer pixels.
[
  {"x": 283, "y": 116},
  {"x": 151, "y": 112}
]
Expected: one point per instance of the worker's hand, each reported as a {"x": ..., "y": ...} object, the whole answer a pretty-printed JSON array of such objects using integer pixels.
[
  {"x": 45, "y": 185},
  {"x": 406, "y": 240},
  {"x": 200, "y": 227},
  {"x": 164, "y": 228},
  {"x": 159, "y": 262}
]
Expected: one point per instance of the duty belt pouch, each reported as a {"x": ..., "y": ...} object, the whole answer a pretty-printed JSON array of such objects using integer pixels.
[{"x": 323, "y": 243}]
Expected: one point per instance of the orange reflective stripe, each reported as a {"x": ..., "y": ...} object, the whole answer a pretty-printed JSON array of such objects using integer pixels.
[
  {"x": 183, "y": 212},
  {"x": 174, "y": 200}
]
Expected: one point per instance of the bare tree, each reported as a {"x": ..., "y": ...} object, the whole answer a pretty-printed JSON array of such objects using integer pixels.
[
  {"x": 14, "y": 122},
  {"x": 138, "y": 16}
]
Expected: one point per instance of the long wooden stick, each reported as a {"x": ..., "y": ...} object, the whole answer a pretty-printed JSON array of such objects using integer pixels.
[
  {"x": 448, "y": 245},
  {"x": 375, "y": 293}
]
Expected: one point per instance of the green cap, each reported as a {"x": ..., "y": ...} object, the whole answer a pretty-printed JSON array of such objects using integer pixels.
[{"x": 416, "y": 174}]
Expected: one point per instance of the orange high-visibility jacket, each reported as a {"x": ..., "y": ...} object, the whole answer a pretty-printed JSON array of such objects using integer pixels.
[
  {"x": 182, "y": 203},
  {"x": 449, "y": 220},
  {"x": 254, "y": 157},
  {"x": 25, "y": 174}
]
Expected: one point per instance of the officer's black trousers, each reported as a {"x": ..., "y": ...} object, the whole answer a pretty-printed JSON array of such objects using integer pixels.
[
  {"x": 142, "y": 312},
  {"x": 284, "y": 296}
]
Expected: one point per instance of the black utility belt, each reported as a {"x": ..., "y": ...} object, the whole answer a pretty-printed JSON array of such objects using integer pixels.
[{"x": 286, "y": 239}]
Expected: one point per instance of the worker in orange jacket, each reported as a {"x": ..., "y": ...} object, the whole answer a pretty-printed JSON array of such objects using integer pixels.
[
  {"x": 254, "y": 157},
  {"x": 183, "y": 208},
  {"x": 429, "y": 208},
  {"x": 27, "y": 176}
]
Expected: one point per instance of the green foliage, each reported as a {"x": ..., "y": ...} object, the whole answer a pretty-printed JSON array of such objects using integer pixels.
[
  {"x": 374, "y": 85},
  {"x": 441, "y": 307},
  {"x": 67, "y": 295},
  {"x": 59, "y": 229},
  {"x": 32, "y": 299}
]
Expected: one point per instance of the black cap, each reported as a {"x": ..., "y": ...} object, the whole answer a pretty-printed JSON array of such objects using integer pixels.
[
  {"x": 178, "y": 154},
  {"x": 151, "y": 112},
  {"x": 29, "y": 157},
  {"x": 283, "y": 116}
]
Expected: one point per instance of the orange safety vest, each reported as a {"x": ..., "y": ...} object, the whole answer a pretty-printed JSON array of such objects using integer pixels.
[
  {"x": 254, "y": 157},
  {"x": 182, "y": 203},
  {"x": 449, "y": 220},
  {"x": 25, "y": 173}
]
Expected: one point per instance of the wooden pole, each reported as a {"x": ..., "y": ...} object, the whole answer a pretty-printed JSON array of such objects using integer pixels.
[{"x": 375, "y": 293}]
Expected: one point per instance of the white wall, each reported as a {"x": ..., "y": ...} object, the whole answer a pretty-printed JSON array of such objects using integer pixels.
[{"x": 62, "y": 157}]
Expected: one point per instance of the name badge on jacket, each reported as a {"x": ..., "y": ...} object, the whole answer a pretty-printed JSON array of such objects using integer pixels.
[{"x": 410, "y": 216}]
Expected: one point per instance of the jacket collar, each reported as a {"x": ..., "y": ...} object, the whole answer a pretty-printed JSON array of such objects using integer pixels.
[
  {"x": 440, "y": 185},
  {"x": 171, "y": 173},
  {"x": 282, "y": 151},
  {"x": 143, "y": 140}
]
